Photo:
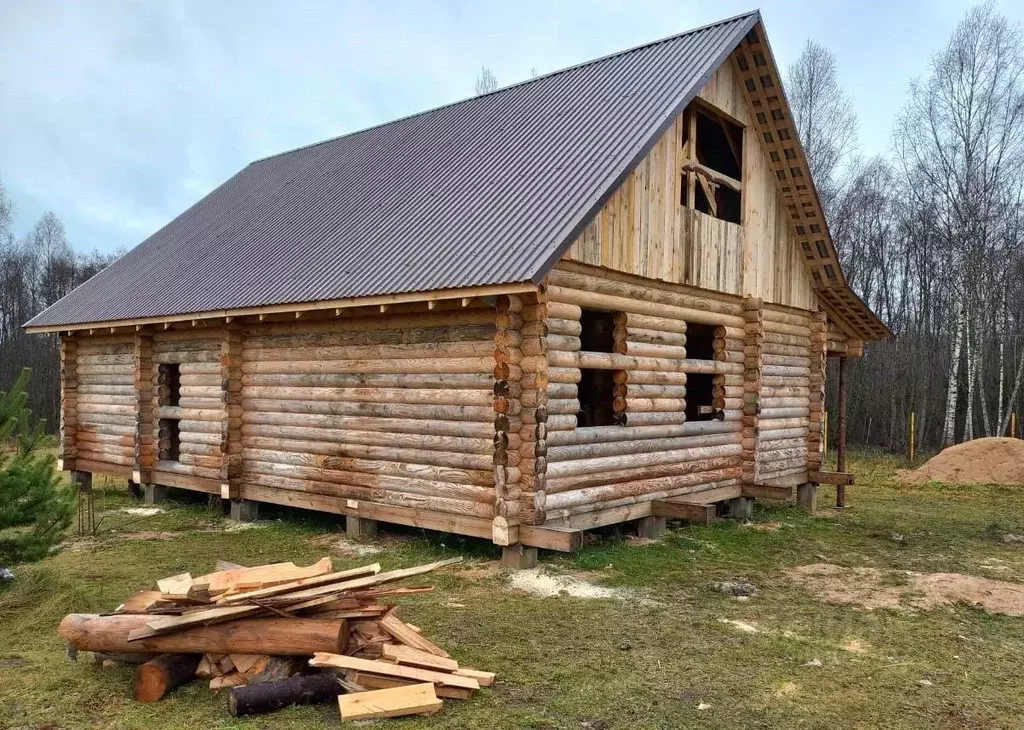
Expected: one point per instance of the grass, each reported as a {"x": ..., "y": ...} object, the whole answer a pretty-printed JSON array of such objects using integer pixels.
[{"x": 649, "y": 662}]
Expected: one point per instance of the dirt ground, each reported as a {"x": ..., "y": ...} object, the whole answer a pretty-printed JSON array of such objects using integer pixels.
[
  {"x": 871, "y": 588},
  {"x": 982, "y": 461}
]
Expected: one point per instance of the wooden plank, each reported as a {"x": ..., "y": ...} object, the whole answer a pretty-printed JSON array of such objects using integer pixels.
[
  {"x": 409, "y": 636},
  {"x": 416, "y": 699},
  {"x": 300, "y": 583},
  {"x": 679, "y": 510},
  {"x": 550, "y": 539},
  {"x": 265, "y": 576},
  {"x": 767, "y": 491},
  {"x": 402, "y": 654},
  {"x": 830, "y": 477},
  {"x": 338, "y": 661}
]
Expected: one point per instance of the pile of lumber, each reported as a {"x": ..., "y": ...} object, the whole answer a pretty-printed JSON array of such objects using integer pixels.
[{"x": 276, "y": 635}]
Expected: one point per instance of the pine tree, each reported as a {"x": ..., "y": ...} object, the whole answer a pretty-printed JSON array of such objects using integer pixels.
[{"x": 35, "y": 507}]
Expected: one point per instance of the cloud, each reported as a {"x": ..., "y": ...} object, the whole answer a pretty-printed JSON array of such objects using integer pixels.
[{"x": 119, "y": 115}]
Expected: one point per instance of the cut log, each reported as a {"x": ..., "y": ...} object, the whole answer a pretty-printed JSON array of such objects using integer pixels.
[
  {"x": 176, "y": 585},
  {"x": 229, "y": 680},
  {"x": 416, "y": 699},
  {"x": 278, "y": 636},
  {"x": 272, "y": 669},
  {"x": 256, "y": 699},
  {"x": 158, "y": 676}
]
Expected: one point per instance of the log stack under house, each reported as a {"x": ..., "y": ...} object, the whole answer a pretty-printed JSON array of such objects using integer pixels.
[{"x": 601, "y": 295}]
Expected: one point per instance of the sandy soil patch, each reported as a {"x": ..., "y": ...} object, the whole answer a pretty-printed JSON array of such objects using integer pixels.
[
  {"x": 982, "y": 461},
  {"x": 541, "y": 583},
  {"x": 871, "y": 588},
  {"x": 147, "y": 535},
  {"x": 743, "y": 626}
]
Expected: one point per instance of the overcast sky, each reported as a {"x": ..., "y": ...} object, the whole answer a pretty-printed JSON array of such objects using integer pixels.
[{"x": 119, "y": 115}]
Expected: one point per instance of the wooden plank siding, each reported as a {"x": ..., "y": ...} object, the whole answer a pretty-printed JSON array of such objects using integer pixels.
[{"x": 644, "y": 229}]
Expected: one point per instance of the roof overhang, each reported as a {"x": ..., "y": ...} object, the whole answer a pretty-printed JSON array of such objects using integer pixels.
[{"x": 383, "y": 301}]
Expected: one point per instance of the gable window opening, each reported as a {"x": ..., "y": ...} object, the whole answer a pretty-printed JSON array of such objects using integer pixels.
[
  {"x": 712, "y": 166},
  {"x": 700, "y": 387},
  {"x": 169, "y": 393},
  {"x": 596, "y": 391}
]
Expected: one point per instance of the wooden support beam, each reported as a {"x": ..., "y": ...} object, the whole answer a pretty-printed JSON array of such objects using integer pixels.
[
  {"x": 677, "y": 510},
  {"x": 767, "y": 491},
  {"x": 841, "y": 436},
  {"x": 839, "y": 478}
]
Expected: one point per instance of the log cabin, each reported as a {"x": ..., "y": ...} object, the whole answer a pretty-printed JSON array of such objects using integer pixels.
[{"x": 601, "y": 295}]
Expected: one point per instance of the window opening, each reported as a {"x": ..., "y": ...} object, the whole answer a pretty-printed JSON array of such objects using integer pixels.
[
  {"x": 596, "y": 390},
  {"x": 700, "y": 387},
  {"x": 169, "y": 389},
  {"x": 713, "y": 164}
]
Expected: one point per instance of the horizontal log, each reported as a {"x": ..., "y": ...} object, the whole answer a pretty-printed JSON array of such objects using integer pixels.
[
  {"x": 558, "y": 454},
  {"x": 627, "y": 508},
  {"x": 410, "y": 366},
  {"x": 563, "y": 342},
  {"x": 654, "y": 405},
  {"x": 187, "y": 356},
  {"x": 590, "y": 466},
  {"x": 479, "y": 315},
  {"x": 782, "y": 338},
  {"x": 570, "y": 327},
  {"x": 278, "y": 636},
  {"x": 286, "y": 451},
  {"x": 482, "y": 331},
  {"x": 653, "y": 294},
  {"x": 778, "y": 402},
  {"x": 419, "y": 351},
  {"x": 776, "y": 414},
  {"x": 85, "y": 372},
  {"x": 777, "y": 424},
  {"x": 784, "y": 371},
  {"x": 771, "y": 383},
  {"x": 643, "y": 349},
  {"x": 93, "y": 388},
  {"x": 379, "y": 410},
  {"x": 782, "y": 433},
  {"x": 177, "y": 467},
  {"x": 97, "y": 399},
  {"x": 622, "y": 490},
  {"x": 440, "y": 381},
  {"x": 188, "y": 369},
  {"x": 387, "y": 425},
  {"x": 648, "y": 323},
  {"x": 561, "y": 422},
  {"x": 593, "y": 299},
  {"x": 773, "y": 467},
  {"x": 563, "y": 375},
  {"x": 605, "y": 434},
  {"x": 615, "y": 361},
  {"x": 562, "y": 310},
  {"x": 774, "y": 315},
  {"x": 655, "y": 418},
  {"x": 465, "y": 445},
  {"x": 787, "y": 329},
  {"x": 365, "y": 485},
  {"x": 377, "y": 496},
  {"x": 124, "y": 359},
  {"x": 772, "y": 348},
  {"x": 433, "y": 396},
  {"x": 650, "y": 377}
]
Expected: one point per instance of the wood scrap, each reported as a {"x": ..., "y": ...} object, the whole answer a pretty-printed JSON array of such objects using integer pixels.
[
  {"x": 247, "y": 629},
  {"x": 326, "y": 660},
  {"x": 417, "y": 699},
  {"x": 402, "y": 654},
  {"x": 176, "y": 585},
  {"x": 309, "y": 689}
]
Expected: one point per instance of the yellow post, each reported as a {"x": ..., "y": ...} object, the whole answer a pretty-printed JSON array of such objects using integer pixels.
[{"x": 913, "y": 433}]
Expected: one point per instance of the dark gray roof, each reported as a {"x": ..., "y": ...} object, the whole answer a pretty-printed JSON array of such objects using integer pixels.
[{"x": 490, "y": 190}]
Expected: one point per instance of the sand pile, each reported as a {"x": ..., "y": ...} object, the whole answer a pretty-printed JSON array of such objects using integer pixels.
[{"x": 982, "y": 461}]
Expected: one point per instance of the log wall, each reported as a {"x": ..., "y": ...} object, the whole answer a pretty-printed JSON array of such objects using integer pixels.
[
  {"x": 394, "y": 408},
  {"x": 99, "y": 402},
  {"x": 651, "y": 453},
  {"x": 200, "y": 411},
  {"x": 784, "y": 395}
]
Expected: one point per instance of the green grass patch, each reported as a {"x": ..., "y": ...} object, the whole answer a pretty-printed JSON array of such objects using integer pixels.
[{"x": 652, "y": 660}]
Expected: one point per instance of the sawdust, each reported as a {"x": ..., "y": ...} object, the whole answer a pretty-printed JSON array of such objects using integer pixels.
[
  {"x": 870, "y": 588},
  {"x": 145, "y": 535},
  {"x": 982, "y": 461},
  {"x": 741, "y": 625},
  {"x": 787, "y": 690},
  {"x": 762, "y": 526},
  {"x": 541, "y": 583},
  {"x": 142, "y": 511},
  {"x": 856, "y": 646}
]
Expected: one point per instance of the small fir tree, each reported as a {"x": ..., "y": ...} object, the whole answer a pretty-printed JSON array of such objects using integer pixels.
[{"x": 35, "y": 507}]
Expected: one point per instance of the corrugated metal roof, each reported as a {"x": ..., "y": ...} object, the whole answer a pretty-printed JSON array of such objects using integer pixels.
[{"x": 489, "y": 190}]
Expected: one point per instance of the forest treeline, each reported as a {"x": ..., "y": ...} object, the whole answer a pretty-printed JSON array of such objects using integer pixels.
[
  {"x": 929, "y": 233},
  {"x": 36, "y": 270}
]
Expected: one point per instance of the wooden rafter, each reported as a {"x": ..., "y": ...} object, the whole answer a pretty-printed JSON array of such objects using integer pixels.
[{"x": 774, "y": 127}]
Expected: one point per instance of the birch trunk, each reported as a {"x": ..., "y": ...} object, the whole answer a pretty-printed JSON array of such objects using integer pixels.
[{"x": 952, "y": 382}]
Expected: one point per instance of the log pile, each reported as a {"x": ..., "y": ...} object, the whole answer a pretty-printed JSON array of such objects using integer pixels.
[{"x": 277, "y": 635}]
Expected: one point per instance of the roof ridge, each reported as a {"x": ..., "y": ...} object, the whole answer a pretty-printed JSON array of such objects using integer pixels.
[{"x": 503, "y": 89}]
